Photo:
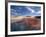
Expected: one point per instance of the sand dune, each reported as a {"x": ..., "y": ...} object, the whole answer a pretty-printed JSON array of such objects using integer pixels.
[{"x": 30, "y": 21}]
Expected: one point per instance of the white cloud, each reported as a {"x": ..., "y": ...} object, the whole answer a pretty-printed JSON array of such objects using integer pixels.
[
  {"x": 31, "y": 10},
  {"x": 13, "y": 10},
  {"x": 20, "y": 8},
  {"x": 39, "y": 12}
]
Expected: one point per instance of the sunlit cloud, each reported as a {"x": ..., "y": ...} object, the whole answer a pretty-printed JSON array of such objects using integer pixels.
[
  {"x": 39, "y": 12},
  {"x": 31, "y": 10}
]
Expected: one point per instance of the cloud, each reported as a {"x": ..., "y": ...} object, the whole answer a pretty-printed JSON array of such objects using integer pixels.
[
  {"x": 31, "y": 10},
  {"x": 13, "y": 12},
  {"x": 39, "y": 12}
]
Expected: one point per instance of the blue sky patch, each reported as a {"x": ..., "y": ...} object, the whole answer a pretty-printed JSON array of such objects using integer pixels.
[{"x": 25, "y": 10}]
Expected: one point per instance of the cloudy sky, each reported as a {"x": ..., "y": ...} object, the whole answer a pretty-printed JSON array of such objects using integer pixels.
[{"x": 25, "y": 10}]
